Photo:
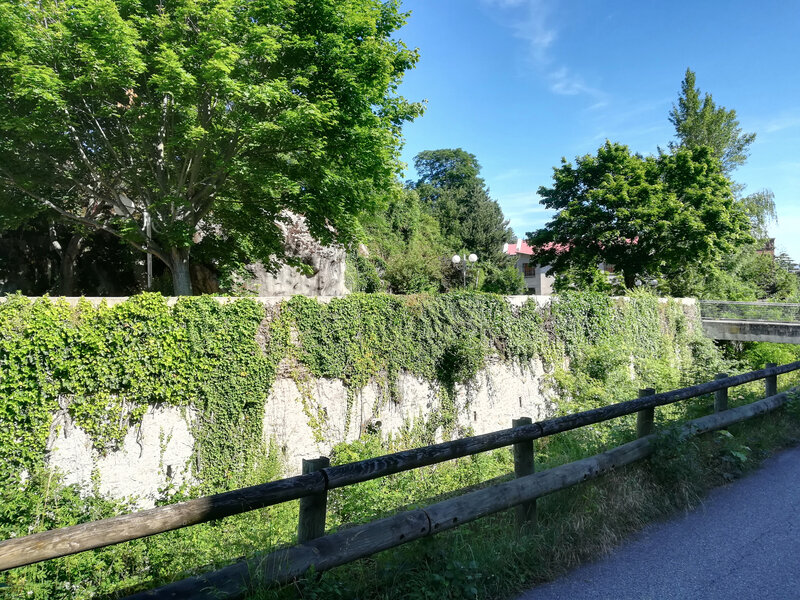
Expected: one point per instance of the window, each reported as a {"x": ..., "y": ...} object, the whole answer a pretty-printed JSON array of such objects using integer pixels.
[{"x": 529, "y": 269}]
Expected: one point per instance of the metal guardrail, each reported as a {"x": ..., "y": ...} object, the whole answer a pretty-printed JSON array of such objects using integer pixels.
[{"x": 775, "y": 312}]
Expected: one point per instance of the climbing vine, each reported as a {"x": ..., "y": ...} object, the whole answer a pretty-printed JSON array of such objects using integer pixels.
[{"x": 105, "y": 366}]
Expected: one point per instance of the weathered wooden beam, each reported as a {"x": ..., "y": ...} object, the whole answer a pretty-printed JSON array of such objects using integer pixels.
[
  {"x": 313, "y": 509},
  {"x": 721, "y": 420},
  {"x": 363, "y": 540},
  {"x": 70, "y": 540},
  {"x": 77, "y": 538},
  {"x": 405, "y": 460},
  {"x": 523, "y": 465},
  {"x": 771, "y": 381},
  {"x": 721, "y": 396},
  {"x": 469, "y": 507},
  {"x": 323, "y": 553},
  {"x": 646, "y": 416}
]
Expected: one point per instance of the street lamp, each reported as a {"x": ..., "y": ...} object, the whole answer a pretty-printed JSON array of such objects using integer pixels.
[{"x": 463, "y": 264}]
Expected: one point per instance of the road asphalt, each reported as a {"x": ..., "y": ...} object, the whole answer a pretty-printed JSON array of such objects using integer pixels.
[{"x": 742, "y": 543}]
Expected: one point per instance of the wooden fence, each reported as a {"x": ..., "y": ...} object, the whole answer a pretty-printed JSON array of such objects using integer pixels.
[{"x": 323, "y": 552}]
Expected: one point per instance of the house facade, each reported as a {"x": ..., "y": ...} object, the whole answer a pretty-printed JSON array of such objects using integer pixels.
[{"x": 538, "y": 280}]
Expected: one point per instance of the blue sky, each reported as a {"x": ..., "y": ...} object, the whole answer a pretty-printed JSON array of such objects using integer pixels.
[{"x": 521, "y": 83}]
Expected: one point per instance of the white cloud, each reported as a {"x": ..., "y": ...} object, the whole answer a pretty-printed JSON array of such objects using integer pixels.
[
  {"x": 773, "y": 123},
  {"x": 781, "y": 123},
  {"x": 531, "y": 21},
  {"x": 566, "y": 83}
]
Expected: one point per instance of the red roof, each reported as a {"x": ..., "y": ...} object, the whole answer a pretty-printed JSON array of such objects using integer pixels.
[{"x": 522, "y": 247}]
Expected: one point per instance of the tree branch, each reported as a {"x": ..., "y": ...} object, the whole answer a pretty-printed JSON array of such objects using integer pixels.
[{"x": 155, "y": 251}]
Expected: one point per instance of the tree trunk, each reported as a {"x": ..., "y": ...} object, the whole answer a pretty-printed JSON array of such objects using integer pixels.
[
  {"x": 67, "y": 267},
  {"x": 181, "y": 278},
  {"x": 630, "y": 279}
]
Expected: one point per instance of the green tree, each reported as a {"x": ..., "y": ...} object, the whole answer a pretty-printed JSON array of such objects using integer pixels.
[
  {"x": 405, "y": 248},
  {"x": 760, "y": 209},
  {"x": 786, "y": 262},
  {"x": 451, "y": 189},
  {"x": 742, "y": 275},
  {"x": 647, "y": 217},
  {"x": 446, "y": 168},
  {"x": 503, "y": 280},
  {"x": 585, "y": 279},
  {"x": 161, "y": 122},
  {"x": 700, "y": 122}
]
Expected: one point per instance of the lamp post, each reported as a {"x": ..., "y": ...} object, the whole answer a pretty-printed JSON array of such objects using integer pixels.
[{"x": 463, "y": 264}]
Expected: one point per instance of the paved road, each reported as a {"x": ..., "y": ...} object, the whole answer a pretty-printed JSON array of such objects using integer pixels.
[{"x": 742, "y": 543}]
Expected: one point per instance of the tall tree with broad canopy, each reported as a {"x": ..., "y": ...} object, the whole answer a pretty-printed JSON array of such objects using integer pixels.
[
  {"x": 161, "y": 121},
  {"x": 451, "y": 188},
  {"x": 702, "y": 123},
  {"x": 647, "y": 217}
]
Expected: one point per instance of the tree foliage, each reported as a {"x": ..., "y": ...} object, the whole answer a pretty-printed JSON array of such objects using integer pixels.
[
  {"x": 470, "y": 221},
  {"x": 645, "y": 216},
  {"x": 760, "y": 209},
  {"x": 406, "y": 248},
  {"x": 446, "y": 168},
  {"x": 744, "y": 274},
  {"x": 700, "y": 122},
  {"x": 201, "y": 117},
  {"x": 447, "y": 211}
]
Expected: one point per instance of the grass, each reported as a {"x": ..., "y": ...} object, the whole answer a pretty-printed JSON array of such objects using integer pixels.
[
  {"x": 485, "y": 559},
  {"x": 488, "y": 559}
]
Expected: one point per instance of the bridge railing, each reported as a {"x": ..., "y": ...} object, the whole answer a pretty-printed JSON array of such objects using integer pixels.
[
  {"x": 777, "y": 312},
  {"x": 320, "y": 552}
]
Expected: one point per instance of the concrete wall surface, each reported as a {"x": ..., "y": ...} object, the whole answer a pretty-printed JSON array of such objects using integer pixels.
[{"x": 303, "y": 419}]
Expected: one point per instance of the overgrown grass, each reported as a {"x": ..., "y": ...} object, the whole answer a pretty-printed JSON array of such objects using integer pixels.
[
  {"x": 205, "y": 353},
  {"x": 119, "y": 570},
  {"x": 488, "y": 559}
]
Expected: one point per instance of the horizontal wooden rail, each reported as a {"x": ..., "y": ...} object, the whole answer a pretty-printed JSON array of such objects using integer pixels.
[
  {"x": 97, "y": 534},
  {"x": 236, "y": 580},
  {"x": 405, "y": 460}
]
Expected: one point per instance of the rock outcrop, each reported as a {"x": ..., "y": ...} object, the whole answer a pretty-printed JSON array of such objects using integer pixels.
[{"x": 326, "y": 263}]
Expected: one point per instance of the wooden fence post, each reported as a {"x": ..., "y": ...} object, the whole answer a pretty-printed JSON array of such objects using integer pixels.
[
  {"x": 523, "y": 465},
  {"x": 645, "y": 417},
  {"x": 311, "y": 524},
  {"x": 771, "y": 382},
  {"x": 721, "y": 396}
]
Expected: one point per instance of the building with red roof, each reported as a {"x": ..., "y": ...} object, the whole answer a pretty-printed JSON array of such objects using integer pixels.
[{"x": 538, "y": 281}]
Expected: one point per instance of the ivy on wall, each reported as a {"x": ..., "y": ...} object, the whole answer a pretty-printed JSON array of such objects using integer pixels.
[{"x": 107, "y": 365}]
